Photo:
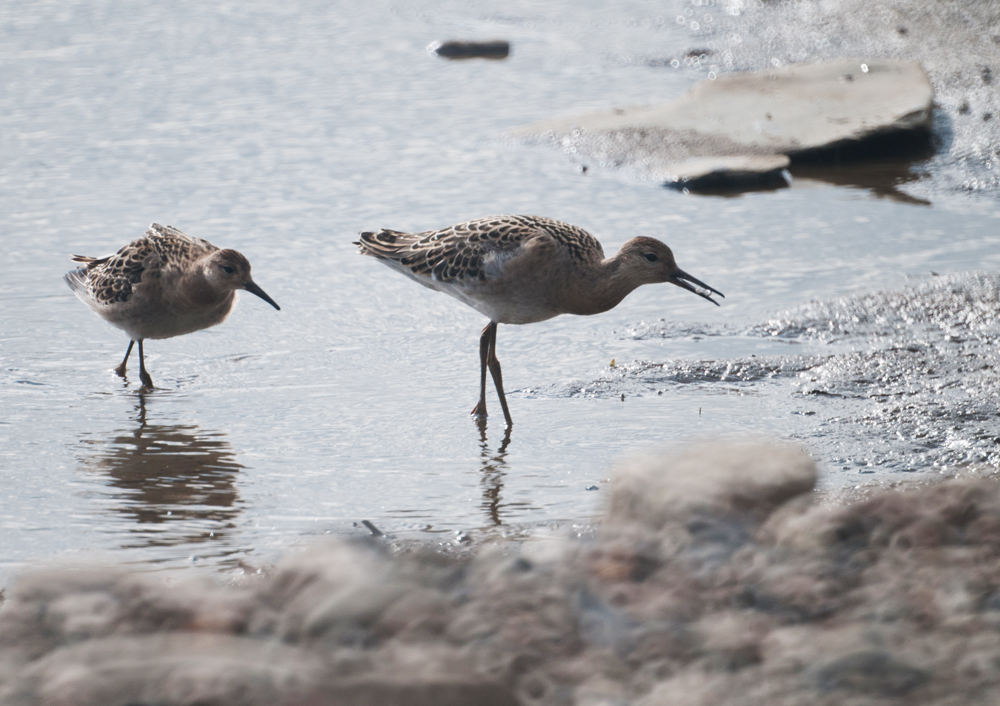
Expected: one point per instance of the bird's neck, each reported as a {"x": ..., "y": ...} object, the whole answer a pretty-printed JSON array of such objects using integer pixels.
[
  {"x": 604, "y": 289},
  {"x": 201, "y": 294}
]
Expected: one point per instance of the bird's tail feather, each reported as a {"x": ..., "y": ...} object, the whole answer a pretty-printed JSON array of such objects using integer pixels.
[
  {"x": 90, "y": 260},
  {"x": 386, "y": 244},
  {"x": 77, "y": 280}
]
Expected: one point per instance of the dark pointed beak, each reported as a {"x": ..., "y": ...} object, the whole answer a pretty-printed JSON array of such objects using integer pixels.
[
  {"x": 252, "y": 287},
  {"x": 685, "y": 281}
]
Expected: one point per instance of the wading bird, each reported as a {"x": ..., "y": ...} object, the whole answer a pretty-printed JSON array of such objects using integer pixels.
[
  {"x": 523, "y": 269},
  {"x": 164, "y": 284}
]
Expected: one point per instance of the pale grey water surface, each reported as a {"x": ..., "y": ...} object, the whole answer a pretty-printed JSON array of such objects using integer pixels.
[{"x": 282, "y": 129}]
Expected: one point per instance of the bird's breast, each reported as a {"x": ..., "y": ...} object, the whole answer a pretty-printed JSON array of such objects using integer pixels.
[{"x": 173, "y": 316}]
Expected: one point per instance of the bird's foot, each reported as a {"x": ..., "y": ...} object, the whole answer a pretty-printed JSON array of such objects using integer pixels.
[
  {"x": 479, "y": 411},
  {"x": 120, "y": 370},
  {"x": 146, "y": 380}
]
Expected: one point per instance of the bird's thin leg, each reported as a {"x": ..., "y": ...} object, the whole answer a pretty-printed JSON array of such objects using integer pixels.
[
  {"x": 120, "y": 370},
  {"x": 484, "y": 349},
  {"x": 497, "y": 375},
  {"x": 143, "y": 375}
]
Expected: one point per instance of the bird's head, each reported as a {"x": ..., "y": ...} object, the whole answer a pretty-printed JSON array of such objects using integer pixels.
[
  {"x": 229, "y": 270},
  {"x": 649, "y": 261}
]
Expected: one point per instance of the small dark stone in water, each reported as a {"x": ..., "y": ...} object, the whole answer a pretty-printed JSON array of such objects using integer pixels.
[
  {"x": 583, "y": 168},
  {"x": 987, "y": 75},
  {"x": 902, "y": 31},
  {"x": 697, "y": 52},
  {"x": 496, "y": 49},
  {"x": 591, "y": 487},
  {"x": 964, "y": 109},
  {"x": 987, "y": 117}
]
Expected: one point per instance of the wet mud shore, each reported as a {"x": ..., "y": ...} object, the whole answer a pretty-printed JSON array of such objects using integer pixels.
[{"x": 717, "y": 576}]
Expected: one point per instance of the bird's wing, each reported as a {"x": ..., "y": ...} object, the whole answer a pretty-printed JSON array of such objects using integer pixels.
[
  {"x": 472, "y": 251},
  {"x": 112, "y": 279},
  {"x": 175, "y": 250}
]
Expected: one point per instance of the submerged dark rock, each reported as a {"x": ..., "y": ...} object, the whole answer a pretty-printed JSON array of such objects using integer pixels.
[{"x": 730, "y": 173}]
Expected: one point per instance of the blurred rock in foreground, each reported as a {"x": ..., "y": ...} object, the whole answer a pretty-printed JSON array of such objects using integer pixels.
[{"x": 716, "y": 579}]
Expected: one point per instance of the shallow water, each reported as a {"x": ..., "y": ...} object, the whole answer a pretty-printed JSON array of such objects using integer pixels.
[{"x": 283, "y": 132}]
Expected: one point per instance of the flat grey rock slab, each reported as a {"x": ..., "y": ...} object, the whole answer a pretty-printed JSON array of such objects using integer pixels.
[{"x": 784, "y": 111}]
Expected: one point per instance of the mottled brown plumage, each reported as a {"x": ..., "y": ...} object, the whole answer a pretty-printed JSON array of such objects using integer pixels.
[
  {"x": 162, "y": 285},
  {"x": 522, "y": 269},
  {"x": 109, "y": 280},
  {"x": 462, "y": 252}
]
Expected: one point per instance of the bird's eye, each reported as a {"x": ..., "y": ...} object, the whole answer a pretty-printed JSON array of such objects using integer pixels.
[
  {"x": 651, "y": 256},
  {"x": 229, "y": 270}
]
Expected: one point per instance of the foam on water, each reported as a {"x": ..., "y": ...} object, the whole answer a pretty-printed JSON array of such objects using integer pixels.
[{"x": 904, "y": 380}]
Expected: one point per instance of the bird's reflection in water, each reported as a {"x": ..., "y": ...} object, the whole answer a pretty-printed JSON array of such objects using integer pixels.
[
  {"x": 494, "y": 468},
  {"x": 176, "y": 482}
]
